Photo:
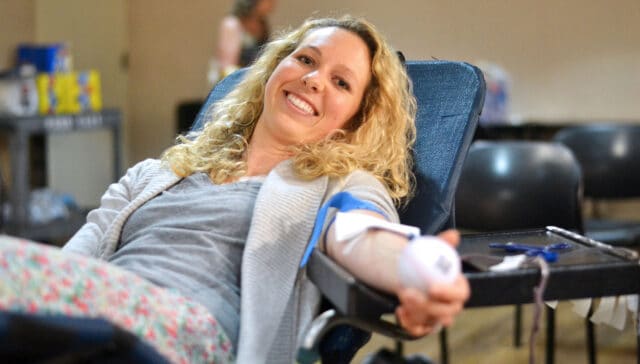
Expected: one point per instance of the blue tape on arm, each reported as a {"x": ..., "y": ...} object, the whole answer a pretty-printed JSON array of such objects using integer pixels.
[{"x": 343, "y": 201}]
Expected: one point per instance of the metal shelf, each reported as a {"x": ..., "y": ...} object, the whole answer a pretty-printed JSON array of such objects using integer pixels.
[
  {"x": 52, "y": 231},
  {"x": 20, "y": 130}
]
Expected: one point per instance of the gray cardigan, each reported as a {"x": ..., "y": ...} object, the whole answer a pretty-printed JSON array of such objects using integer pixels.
[{"x": 273, "y": 286}]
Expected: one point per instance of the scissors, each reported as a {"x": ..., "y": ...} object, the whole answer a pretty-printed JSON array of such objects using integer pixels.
[{"x": 548, "y": 252}]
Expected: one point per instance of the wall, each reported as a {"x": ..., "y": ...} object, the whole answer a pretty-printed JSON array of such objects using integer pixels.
[
  {"x": 570, "y": 60},
  {"x": 170, "y": 44},
  {"x": 96, "y": 30},
  {"x": 17, "y": 20}
]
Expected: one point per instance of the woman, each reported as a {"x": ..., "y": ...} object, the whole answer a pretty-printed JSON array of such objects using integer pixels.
[
  {"x": 325, "y": 109},
  {"x": 242, "y": 34}
]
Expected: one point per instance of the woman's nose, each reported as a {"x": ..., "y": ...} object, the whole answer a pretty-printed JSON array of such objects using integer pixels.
[{"x": 312, "y": 81}]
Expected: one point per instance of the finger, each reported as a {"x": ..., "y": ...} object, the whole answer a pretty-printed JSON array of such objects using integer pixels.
[
  {"x": 419, "y": 309},
  {"x": 423, "y": 330},
  {"x": 420, "y": 328},
  {"x": 403, "y": 319},
  {"x": 412, "y": 300},
  {"x": 415, "y": 329},
  {"x": 451, "y": 236},
  {"x": 416, "y": 309},
  {"x": 443, "y": 312},
  {"x": 414, "y": 306},
  {"x": 459, "y": 290}
]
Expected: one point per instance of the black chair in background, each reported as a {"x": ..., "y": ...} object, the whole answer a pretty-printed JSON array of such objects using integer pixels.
[
  {"x": 186, "y": 114},
  {"x": 512, "y": 185},
  {"x": 609, "y": 155},
  {"x": 515, "y": 185}
]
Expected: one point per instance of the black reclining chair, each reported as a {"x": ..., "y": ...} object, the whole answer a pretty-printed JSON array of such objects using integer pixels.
[
  {"x": 519, "y": 185},
  {"x": 609, "y": 155},
  {"x": 450, "y": 96}
]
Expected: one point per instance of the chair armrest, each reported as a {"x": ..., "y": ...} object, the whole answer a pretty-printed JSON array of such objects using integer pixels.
[
  {"x": 349, "y": 296},
  {"x": 355, "y": 304}
]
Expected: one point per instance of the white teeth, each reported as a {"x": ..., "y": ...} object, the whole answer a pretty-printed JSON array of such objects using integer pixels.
[{"x": 300, "y": 104}]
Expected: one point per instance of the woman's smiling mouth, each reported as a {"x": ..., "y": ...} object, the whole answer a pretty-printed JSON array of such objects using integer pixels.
[{"x": 301, "y": 104}]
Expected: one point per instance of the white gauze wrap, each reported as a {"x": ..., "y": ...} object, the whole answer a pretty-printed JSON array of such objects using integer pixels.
[{"x": 349, "y": 227}]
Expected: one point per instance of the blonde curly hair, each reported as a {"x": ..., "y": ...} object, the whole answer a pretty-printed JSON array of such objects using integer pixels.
[{"x": 377, "y": 139}]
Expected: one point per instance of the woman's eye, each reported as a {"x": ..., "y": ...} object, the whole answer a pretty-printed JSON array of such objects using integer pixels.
[
  {"x": 342, "y": 84},
  {"x": 305, "y": 59}
]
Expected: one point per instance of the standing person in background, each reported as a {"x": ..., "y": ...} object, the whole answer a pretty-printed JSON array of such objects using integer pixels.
[{"x": 242, "y": 34}]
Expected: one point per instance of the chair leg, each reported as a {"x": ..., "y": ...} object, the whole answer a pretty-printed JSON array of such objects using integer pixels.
[
  {"x": 551, "y": 344},
  {"x": 590, "y": 333},
  {"x": 517, "y": 326},
  {"x": 444, "y": 350},
  {"x": 399, "y": 348},
  {"x": 591, "y": 339}
]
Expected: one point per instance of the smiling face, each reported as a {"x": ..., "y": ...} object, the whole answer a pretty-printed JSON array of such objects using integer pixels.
[{"x": 316, "y": 89}]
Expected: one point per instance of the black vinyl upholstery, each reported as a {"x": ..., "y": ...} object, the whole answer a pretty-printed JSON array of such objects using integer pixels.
[
  {"x": 609, "y": 155},
  {"x": 516, "y": 185}
]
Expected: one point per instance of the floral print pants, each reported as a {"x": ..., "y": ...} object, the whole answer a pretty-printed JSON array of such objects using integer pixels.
[{"x": 41, "y": 280}]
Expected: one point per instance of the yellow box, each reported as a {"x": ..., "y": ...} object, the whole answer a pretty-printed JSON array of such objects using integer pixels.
[
  {"x": 84, "y": 92},
  {"x": 69, "y": 92},
  {"x": 51, "y": 88}
]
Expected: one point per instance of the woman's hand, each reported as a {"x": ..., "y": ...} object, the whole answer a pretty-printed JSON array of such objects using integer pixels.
[{"x": 421, "y": 314}]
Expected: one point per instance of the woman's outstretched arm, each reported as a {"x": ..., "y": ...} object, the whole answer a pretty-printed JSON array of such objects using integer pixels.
[{"x": 374, "y": 260}]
